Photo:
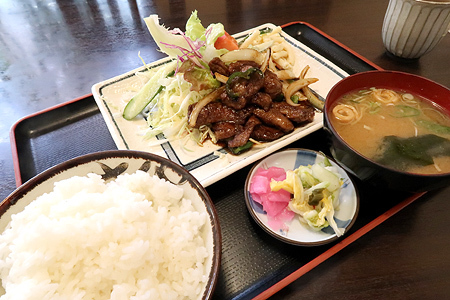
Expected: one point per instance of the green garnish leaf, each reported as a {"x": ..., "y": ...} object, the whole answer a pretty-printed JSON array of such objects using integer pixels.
[
  {"x": 240, "y": 149},
  {"x": 435, "y": 127},
  {"x": 404, "y": 111}
]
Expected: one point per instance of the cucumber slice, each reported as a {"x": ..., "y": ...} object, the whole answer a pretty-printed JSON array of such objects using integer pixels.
[
  {"x": 147, "y": 93},
  {"x": 325, "y": 175}
]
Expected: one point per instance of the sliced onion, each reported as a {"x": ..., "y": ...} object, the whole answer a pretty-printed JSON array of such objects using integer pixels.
[
  {"x": 202, "y": 103},
  {"x": 316, "y": 102},
  {"x": 304, "y": 71},
  {"x": 296, "y": 86},
  {"x": 244, "y": 54},
  {"x": 221, "y": 78}
]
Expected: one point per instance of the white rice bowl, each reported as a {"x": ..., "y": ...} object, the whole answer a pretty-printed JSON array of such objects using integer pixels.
[{"x": 136, "y": 237}]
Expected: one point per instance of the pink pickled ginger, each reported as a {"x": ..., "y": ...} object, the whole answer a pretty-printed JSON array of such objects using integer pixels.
[{"x": 275, "y": 204}]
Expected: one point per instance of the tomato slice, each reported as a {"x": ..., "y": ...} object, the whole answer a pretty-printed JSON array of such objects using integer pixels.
[{"x": 226, "y": 41}]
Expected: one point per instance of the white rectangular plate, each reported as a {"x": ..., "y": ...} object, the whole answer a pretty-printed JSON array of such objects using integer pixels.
[{"x": 208, "y": 163}]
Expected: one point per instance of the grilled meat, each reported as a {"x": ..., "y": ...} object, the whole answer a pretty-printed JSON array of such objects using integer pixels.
[
  {"x": 217, "y": 112},
  {"x": 262, "y": 100},
  {"x": 274, "y": 118},
  {"x": 225, "y": 130},
  {"x": 272, "y": 84},
  {"x": 298, "y": 114},
  {"x": 241, "y": 138},
  {"x": 242, "y": 66},
  {"x": 265, "y": 133},
  {"x": 248, "y": 106},
  {"x": 216, "y": 65}
]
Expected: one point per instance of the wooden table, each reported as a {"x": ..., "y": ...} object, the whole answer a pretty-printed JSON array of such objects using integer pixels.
[{"x": 53, "y": 51}]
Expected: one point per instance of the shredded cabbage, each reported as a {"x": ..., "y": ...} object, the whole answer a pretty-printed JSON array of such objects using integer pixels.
[
  {"x": 318, "y": 181},
  {"x": 168, "y": 113}
]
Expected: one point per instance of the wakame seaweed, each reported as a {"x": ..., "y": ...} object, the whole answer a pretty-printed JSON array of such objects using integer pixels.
[{"x": 401, "y": 153}]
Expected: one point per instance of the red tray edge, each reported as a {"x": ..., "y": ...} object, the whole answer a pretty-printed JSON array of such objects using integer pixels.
[
  {"x": 12, "y": 136},
  {"x": 336, "y": 42},
  {"x": 336, "y": 248}
]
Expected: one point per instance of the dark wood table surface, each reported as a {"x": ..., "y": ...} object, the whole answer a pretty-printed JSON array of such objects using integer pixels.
[{"x": 52, "y": 51}]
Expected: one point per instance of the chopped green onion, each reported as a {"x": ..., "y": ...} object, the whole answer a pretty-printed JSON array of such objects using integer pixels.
[{"x": 374, "y": 107}]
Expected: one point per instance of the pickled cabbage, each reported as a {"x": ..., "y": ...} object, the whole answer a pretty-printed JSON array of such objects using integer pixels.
[{"x": 315, "y": 194}]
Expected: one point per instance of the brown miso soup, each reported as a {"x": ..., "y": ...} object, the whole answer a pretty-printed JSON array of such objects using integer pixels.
[{"x": 396, "y": 129}]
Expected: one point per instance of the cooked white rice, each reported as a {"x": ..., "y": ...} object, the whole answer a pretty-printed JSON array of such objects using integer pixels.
[{"x": 133, "y": 238}]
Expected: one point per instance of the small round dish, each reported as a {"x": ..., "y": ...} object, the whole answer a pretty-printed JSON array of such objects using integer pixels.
[
  {"x": 296, "y": 232},
  {"x": 111, "y": 164}
]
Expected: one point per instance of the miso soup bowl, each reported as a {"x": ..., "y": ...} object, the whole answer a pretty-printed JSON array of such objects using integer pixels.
[{"x": 365, "y": 169}]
